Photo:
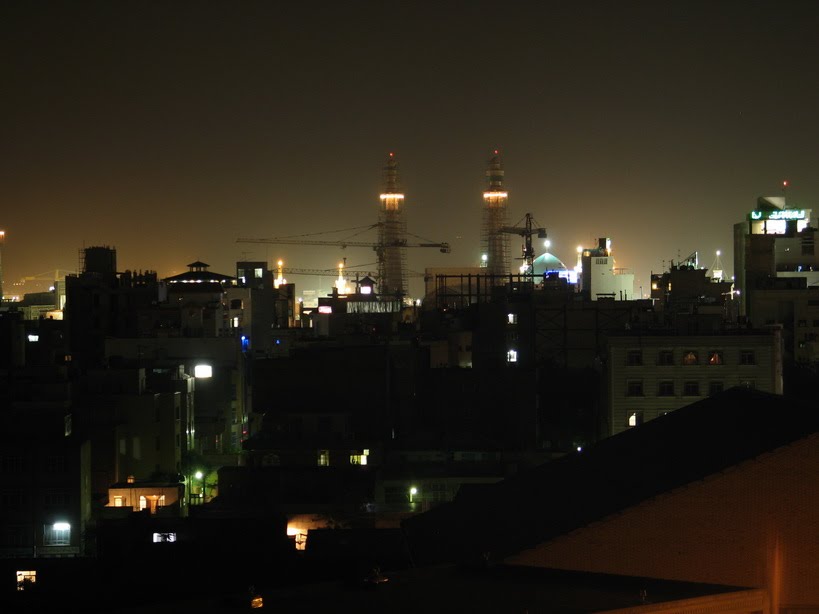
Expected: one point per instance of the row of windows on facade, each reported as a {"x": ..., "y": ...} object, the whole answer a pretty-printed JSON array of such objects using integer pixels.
[
  {"x": 634, "y": 358},
  {"x": 635, "y": 388},
  {"x": 20, "y": 536},
  {"x": 15, "y": 463},
  {"x": 355, "y": 459},
  {"x": 15, "y": 499}
]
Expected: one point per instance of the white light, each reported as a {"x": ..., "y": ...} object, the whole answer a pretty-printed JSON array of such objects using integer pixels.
[
  {"x": 579, "y": 249},
  {"x": 366, "y": 289},
  {"x": 547, "y": 244},
  {"x": 203, "y": 371},
  {"x": 413, "y": 491},
  {"x": 579, "y": 448},
  {"x": 484, "y": 257},
  {"x": 495, "y": 194},
  {"x": 391, "y": 196},
  {"x": 198, "y": 475},
  {"x": 62, "y": 526},
  {"x": 719, "y": 253},
  {"x": 33, "y": 338},
  {"x": 325, "y": 309}
]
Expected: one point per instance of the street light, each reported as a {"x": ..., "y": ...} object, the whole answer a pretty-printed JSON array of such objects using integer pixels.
[
  {"x": 201, "y": 476},
  {"x": 412, "y": 492}
]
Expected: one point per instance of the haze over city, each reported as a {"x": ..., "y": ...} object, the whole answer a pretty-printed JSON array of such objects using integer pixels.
[{"x": 167, "y": 130}]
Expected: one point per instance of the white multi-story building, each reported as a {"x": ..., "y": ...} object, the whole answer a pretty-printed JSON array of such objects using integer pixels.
[{"x": 650, "y": 375}]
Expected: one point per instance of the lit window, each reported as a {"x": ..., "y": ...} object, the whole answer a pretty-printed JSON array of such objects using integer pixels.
[
  {"x": 34, "y": 338},
  {"x": 715, "y": 357},
  {"x": 512, "y": 318},
  {"x": 324, "y": 458},
  {"x": 203, "y": 371},
  {"x": 257, "y": 273},
  {"x": 366, "y": 289},
  {"x": 236, "y": 322},
  {"x": 358, "y": 459},
  {"x": 164, "y": 538},
  {"x": 57, "y": 534},
  {"x": 143, "y": 503},
  {"x": 325, "y": 309},
  {"x": 25, "y": 579},
  {"x": 635, "y": 419},
  {"x": 512, "y": 356},
  {"x": 691, "y": 358},
  {"x": 119, "y": 501}
]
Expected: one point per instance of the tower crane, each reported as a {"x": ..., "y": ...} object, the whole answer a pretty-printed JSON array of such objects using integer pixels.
[
  {"x": 526, "y": 231},
  {"x": 380, "y": 247}
]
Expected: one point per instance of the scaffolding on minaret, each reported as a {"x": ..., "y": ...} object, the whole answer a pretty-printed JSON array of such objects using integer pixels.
[
  {"x": 494, "y": 241},
  {"x": 392, "y": 235}
]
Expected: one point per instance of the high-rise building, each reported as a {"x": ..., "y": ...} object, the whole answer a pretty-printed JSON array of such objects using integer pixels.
[{"x": 495, "y": 242}]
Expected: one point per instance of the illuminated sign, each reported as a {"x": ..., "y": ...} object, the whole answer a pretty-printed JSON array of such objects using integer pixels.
[{"x": 779, "y": 214}]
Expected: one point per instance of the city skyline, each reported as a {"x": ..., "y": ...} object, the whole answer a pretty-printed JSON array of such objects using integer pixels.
[{"x": 170, "y": 131}]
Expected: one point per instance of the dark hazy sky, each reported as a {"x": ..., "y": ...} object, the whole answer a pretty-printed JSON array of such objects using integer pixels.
[{"x": 169, "y": 129}]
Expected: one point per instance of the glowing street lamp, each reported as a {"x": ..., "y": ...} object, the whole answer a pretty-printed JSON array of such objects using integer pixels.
[{"x": 412, "y": 492}]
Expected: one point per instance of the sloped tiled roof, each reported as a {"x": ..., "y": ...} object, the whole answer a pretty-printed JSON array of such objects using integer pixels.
[{"x": 664, "y": 454}]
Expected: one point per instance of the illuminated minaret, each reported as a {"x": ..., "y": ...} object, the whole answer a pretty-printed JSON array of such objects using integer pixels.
[
  {"x": 495, "y": 242},
  {"x": 392, "y": 235},
  {"x": 2, "y": 240}
]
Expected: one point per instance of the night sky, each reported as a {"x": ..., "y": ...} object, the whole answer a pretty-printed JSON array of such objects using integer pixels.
[{"x": 169, "y": 129}]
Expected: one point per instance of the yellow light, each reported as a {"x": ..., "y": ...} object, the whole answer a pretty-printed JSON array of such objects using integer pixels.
[
  {"x": 579, "y": 249},
  {"x": 281, "y": 262},
  {"x": 495, "y": 194},
  {"x": 395, "y": 196}
]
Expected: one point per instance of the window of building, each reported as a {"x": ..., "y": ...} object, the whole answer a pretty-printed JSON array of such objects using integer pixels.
[
  {"x": 512, "y": 318},
  {"x": 635, "y": 418},
  {"x": 666, "y": 357},
  {"x": 634, "y": 388},
  {"x": 512, "y": 356},
  {"x": 358, "y": 459},
  {"x": 715, "y": 357},
  {"x": 12, "y": 464},
  {"x": 67, "y": 423},
  {"x": 203, "y": 371},
  {"x": 665, "y": 389},
  {"x": 691, "y": 389},
  {"x": 26, "y": 579},
  {"x": 164, "y": 538},
  {"x": 324, "y": 458},
  {"x": 257, "y": 273},
  {"x": 690, "y": 357},
  {"x": 747, "y": 357},
  {"x": 119, "y": 501},
  {"x": 55, "y": 464},
  {"x": 634, "y": 358},
  {"x": 57, "y": 534},
  {"x": 236, "y": 303},
  {"x": 715, "y": 388}
]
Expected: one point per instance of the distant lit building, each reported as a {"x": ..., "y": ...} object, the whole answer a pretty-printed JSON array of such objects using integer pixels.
[{"x": 600, "y": 278}]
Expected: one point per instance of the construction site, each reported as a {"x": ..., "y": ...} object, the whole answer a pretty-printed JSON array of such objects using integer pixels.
[{"x": 390, "y": 271}]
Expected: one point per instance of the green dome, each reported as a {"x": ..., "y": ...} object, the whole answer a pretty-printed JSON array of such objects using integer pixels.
[{"x": 547, "y": 262}]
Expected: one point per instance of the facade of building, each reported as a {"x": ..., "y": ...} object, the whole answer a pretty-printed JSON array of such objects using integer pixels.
[{"x": 653, "y": 374}]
